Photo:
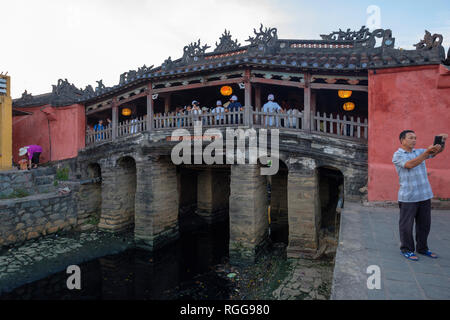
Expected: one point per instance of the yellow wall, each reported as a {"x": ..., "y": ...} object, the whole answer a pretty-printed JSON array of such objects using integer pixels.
[{"x": 6, "y": 127}]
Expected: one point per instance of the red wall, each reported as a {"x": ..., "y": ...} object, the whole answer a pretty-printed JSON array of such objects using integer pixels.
[
  {"x": 400, "y": 99},
  {"x": 67, "y": 131}
]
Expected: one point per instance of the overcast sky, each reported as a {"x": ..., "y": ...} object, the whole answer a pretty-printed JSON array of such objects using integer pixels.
[{"x": 88, "y": 40}]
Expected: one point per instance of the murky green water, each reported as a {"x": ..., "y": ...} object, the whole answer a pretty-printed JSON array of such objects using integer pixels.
[{"x": 183, "y": 270}]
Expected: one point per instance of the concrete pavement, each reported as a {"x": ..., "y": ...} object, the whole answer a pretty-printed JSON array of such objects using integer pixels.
[{"x": 369, "y": 236}]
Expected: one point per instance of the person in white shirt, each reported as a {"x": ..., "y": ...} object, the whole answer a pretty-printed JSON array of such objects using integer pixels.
[
  {"x": 271, "y": 106},
  {"x": 219, "y": 110}
]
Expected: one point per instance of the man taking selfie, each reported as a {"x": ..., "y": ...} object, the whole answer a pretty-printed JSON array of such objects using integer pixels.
[{"x": 414, "y": 195}]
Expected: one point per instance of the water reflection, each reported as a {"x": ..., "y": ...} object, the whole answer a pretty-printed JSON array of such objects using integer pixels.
[{"x": 183, "y": 270}]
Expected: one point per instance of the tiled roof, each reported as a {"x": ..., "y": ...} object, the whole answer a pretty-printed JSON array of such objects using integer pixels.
[{"x": 340, "y": 51}]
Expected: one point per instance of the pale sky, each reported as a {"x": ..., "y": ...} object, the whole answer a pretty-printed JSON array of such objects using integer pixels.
[{"x": 88, "y": 40}]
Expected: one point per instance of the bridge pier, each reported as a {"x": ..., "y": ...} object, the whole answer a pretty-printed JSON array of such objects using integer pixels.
[
  {"x": 118, "y": 190},
  {"x": 213, "y": 191},
  {"x": 303, "y": 207},
  {"x": 156, "y": 203},
  {"x": 248, "y": 213}
]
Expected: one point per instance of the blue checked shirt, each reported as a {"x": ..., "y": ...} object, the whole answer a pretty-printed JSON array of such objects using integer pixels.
[{"x": 414, "y": 184}]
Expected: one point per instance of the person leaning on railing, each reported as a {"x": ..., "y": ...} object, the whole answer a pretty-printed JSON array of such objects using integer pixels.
[
  {"x": 219, "y": 110},
  {"x": 271, "y": 106},
  {"x": 234, "y": 105},
  {"x": 99, "y": 127}
]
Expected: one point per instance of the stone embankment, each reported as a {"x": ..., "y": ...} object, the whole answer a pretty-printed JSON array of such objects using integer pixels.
[
  {"x": 36, "y": 203},
  {"x": 33, "y": 216}
]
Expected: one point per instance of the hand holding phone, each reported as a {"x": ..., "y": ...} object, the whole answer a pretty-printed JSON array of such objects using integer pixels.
[{"x": 437, "y": 140}]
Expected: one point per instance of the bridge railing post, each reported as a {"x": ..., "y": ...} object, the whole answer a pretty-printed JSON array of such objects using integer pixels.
[
  {"x": 115, "y": 120},
  {"x": 149, "y": 108}
]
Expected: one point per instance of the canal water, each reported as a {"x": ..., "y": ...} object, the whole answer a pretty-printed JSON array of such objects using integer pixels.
[{"x": 183, "y": 270}]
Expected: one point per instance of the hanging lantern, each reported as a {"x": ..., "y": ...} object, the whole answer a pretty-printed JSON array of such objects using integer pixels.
[
  {"x": 348, "y": 106},
  {"x": 126, "y": 112},
  {"x": 226, "y": 91},
  {"x": 344, "y": 94}
]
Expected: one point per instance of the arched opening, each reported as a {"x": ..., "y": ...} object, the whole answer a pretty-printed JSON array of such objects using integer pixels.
[
  {"x": 126, "y": 177},
  {"x": 331, "y": 195},
  {"x": 90, "y": 206},
  {"x": 278, "y": 205},
  {"x": 204, "y": 192}
]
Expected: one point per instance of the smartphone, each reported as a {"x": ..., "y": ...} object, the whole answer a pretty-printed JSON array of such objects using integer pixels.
[{"x": 438, "y": 140}]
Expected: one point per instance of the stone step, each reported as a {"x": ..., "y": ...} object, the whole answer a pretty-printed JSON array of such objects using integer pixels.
[
  {"x": 45, "y": 188},
  {"x": 43, "y": 180},
  {"x": 44, "y": 171}
]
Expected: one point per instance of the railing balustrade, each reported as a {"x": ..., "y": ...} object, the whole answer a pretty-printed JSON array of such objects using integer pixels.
[
  {"x": 288, "y": 120},
  {"x": 174, "y": 120},
  {"x": 132, "y": 126},
  {"x": 93, "y": 137},
  {"x": 291, "y": 119},
  {"x": 333, "y": 124}
]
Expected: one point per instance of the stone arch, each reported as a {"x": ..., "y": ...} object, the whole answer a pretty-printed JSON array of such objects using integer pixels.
[
  {"x": 331, "y": 196},
  {"x": 278, "y": 194}
]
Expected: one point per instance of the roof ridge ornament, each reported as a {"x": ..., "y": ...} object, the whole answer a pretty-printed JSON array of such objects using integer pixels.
[
  {"x": 193, "y": 51},
  {"x": 226, "y": 43},
  {"x": 264, "y": 37},
  {"x": 100, "y": 86},
  {"x": 363, "y": 37},
  {"x": 429, "y": 41},
  {"x": 26, "y": 96},
  {"x": 168, "y": 64},
  {"x": 264, "y": 41},
  {"x": 132, "y": 74}
]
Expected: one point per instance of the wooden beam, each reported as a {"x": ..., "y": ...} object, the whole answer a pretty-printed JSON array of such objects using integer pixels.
[
  {"x": 129, "y": 99},
  {"x": 115, "y": 118},
  {"x": 108, "y": 106},
  {"x": 278, "y": 82},
  {"x": 199, "y": 85},
  {"x": 313, "y": 102},
  {"x": 339, "y": 86},
  {"x": 167, "y": 103},
  {"x": 258, "y": 103},
  {"x": 149, "y": 108},
  {"x": 307, "y": 103},
  {"x": 248, "y": 98}
]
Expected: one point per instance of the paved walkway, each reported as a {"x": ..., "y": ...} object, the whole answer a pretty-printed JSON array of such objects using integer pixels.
[{"x": 370, "y": 236}]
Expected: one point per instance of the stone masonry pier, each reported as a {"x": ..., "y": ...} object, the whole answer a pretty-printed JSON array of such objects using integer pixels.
[{"x": 144, "y": 189}]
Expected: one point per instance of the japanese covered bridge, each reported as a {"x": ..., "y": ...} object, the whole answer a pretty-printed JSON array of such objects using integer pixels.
[{"x": 322, "y": 86}]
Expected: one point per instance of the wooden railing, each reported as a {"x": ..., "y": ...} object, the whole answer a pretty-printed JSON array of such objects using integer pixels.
[
  {"x": 93, "y": 137},
  {"x": 334, "y": 124},
  {"x": 341, "y": 126},
  {"x": 174, "y": 120},
  {"x": 291, "y": 119},
  {"x": 133, "y": 126}
]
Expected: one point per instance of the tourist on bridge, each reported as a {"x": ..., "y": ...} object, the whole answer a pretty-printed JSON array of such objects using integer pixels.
[
  {"x": 99, "y": 127},
  {"x": 271, "y": 106},
  {"x": 234, "y": 106},
  {"x": 414, "y": 195},
  {"x": 219, "y": 110},
  {"x": 33, "y": 151}
]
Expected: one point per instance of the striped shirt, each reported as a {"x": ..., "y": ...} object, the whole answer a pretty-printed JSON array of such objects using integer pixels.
[{"x": 414, "y": 184}]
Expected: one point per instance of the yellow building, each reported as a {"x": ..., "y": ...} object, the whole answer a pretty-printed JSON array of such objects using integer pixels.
[{"x": 5, "y": 123}]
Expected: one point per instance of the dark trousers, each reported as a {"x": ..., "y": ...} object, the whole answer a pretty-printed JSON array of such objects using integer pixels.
[{"x": 421, "y": 213}]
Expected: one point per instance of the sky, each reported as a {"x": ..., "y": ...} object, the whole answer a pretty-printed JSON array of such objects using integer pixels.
[{"x": 88, "y": 40}]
